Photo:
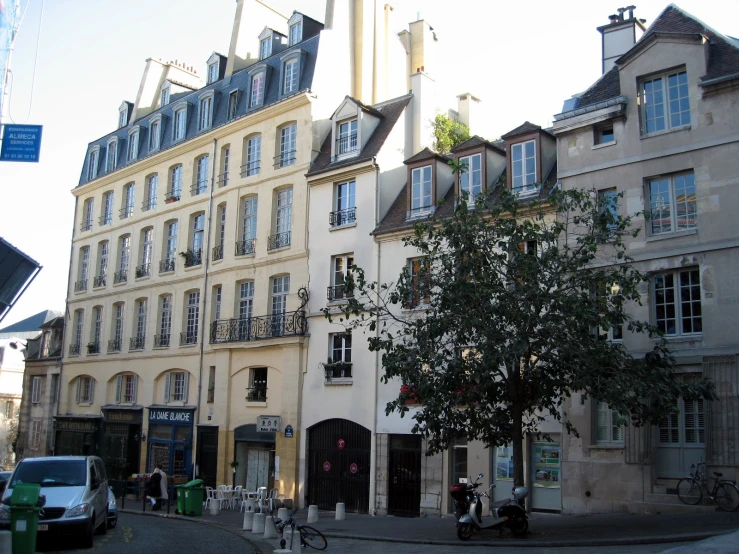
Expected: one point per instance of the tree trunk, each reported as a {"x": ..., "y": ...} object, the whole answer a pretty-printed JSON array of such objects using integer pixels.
[{"x": 517, "y": 434}]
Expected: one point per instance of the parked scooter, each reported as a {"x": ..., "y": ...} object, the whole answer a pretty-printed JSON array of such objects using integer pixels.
[
  {"x": 463, "y": 495},
  {"x": 505, "y": 513}
]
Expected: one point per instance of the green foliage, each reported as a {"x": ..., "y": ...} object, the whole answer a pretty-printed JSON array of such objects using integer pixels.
[
  {"x": 448, "y": 133},
  {"x": 516, "y": 293}
]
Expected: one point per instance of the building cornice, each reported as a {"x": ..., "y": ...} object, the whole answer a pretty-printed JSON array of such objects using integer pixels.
[{"x": 343, "y": 173}]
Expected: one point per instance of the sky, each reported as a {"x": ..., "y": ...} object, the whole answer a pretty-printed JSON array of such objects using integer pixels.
[{"x": 522, "y": 59}]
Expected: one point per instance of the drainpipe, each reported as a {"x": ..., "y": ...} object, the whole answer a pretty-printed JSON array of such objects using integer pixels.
[
  {"x": 205, "y": 294},
  {"x": 373, "y": 444}
]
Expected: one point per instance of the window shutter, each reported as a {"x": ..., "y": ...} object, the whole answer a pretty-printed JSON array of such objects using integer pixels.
[
  {"x": 119, "y": 384},
  {"x": 135, "y": 387},
  {"x": 79, "y": 387},
  {"x": 185, "y": 387},
  {"x": 167, "y": 381},
  {"x": 92, "y": 390}
]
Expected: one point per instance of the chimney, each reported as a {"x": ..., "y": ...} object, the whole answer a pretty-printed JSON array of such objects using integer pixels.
[
  {"x": 619, "y": 35},
  {"x": 468, "y": 108},
  {"x": 251, "y": 17}
]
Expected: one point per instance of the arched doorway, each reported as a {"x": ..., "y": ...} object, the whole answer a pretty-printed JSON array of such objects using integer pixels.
[{"x": 339, "y": 465}]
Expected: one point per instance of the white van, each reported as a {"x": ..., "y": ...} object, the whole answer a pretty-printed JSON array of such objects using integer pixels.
[{"x": 76, "y": 491}]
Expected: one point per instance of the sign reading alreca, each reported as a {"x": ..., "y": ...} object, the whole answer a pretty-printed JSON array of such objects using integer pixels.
[{"x": 170, "y": 416}]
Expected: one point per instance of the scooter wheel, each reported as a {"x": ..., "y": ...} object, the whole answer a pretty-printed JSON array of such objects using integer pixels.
[
  {"x": 519, "y": 527},
  {"x": 464, "y": 531}
]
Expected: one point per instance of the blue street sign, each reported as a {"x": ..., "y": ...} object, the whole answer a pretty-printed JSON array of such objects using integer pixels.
[{"x": 21, "y": 143}]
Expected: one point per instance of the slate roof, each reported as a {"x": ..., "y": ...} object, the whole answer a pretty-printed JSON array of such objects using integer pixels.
[
  {"x": 608, "y": 86},
  {"x": 477, "y": 141},
  {"x": 525, "y": 127},
  {"x": 426, "y": 154},
  {"x": 389, "y": 112},
  {"x": 239, "y": 80},
  {"x": 32, "y": 323}
]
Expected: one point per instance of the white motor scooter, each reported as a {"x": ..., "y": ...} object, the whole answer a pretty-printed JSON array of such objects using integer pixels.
[{"x": 505, "y": 513}]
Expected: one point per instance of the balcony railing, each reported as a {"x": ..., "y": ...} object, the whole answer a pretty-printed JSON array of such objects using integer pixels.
[
  {"x": 218, "y": 252},
  {"x": 188, "y": 338},
  {"x": 106, "y": 219},
  {"x": 256, "y": 394},
  {"x": 342, "y": 217},
  {"x": 286, "y": 324},
  {"x": 245, "y": 247},
  {"x": 98, "y": 281},
  {"x": 346, "y": 144},
  {"x": 80, "y": 285},
  {"x": 250, "y": 168},
  {"x": 199, "y": 188},
  {"x": 114, "y": 345},
  {"x": 161, "y": 341},
  {"x": 172, "y": 196},
  {"x": 137, "y": 343},
  {"x": 285, "y": 159},
  {"x": 193, "y": 257},
  {"x": 86, "y": 225},
  {"x": 74, "y": 349},
  {"x": 93, "y": 348},
  {"x": 120, "y": 276},
  {"x": 166, "y": 266},
  {"x": 338, "y": 370},
  {"x": 148, "y": 204},
  {"x": 338, "y": 292},
  {"x": 223, "y": 179},
  {"x": 126, "y": 212},
  {"x": 143, "y": 270},
  {"x": 280, "y": 240}
]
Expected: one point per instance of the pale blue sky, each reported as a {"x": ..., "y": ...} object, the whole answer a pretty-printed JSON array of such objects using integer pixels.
[{"x": 522, "y": 58}]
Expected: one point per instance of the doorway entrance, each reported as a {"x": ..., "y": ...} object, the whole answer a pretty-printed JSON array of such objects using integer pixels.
[
  {"x": 254, "y": 454},
  {"x": 681, "y": 440},
  {"x": 207, "y": 455},
  {"x": 404, "y": 475}
]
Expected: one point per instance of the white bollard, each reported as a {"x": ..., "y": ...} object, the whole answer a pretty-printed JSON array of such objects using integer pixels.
[
  {"x": 296, "y": 546},
  {"x": 248, "y": 521},
  {"x": 258, "y": 527},
  {"x": 340, "y": 511},
  {"x": 270, "y": 531},
  {"x": 312, "y": 513},
  {"x": 282, "y": 514},
  {"x": 6, "y": 538},
  {"x": 214, "y": 508}
]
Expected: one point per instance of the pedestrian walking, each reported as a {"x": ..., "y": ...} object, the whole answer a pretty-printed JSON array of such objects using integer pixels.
[
  {"x": 163, "y": 496},
  {"x": 156, "y": 484}
]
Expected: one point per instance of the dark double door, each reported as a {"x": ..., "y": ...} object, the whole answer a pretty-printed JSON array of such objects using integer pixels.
[
  {"x": 121, "y": 451},
  {"x": 404, "y": 475},
  {"x": 207, "y": 455},
  {"x": 339, "y": 465}
]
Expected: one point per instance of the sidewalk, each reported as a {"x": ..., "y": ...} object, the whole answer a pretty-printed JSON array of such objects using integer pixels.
[{"x": 544, "y": 529}]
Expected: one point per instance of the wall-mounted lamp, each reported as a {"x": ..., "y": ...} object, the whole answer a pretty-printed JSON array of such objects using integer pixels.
[{"x": 141, "y": 437}]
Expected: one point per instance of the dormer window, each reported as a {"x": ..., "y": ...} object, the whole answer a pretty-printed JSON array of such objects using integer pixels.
[
  {"x": 180, "y": 122},
  {"x": 265, "y": 48},
  {"x": 155, "y": 133},
  {"x": 296, "y": 32},
  {"x": 123, "y": 115},
  {"x": 133, "y": 145},
  {"x": 470, "y": 179},
  {"x": 290, "y": 72},
  {"x": 523, "y": 160},
  {"x": 164, "y": 96},
  {"x": 347, "y": 139},
  {"x": 212, "y": 72},
  {"x": 257, "y": 89},
  {"x": 205, "y": 111},
  {"x": 111, "y": 156},
  {"x": 421, "y": 186},
  {"x": 92, "y": 163},
  {"x": 233, "y": 102}
]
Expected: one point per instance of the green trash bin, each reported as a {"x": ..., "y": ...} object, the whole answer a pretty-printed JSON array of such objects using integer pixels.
[
  {"x": 180, "y": 490},
  {"x": 24, "y": 512},
  {"x": 193, "y": 497}
]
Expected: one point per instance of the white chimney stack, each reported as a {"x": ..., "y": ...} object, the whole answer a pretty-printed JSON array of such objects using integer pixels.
[
  {"x": 620, "y": 35},
  {"x": 469, "y": 110}
]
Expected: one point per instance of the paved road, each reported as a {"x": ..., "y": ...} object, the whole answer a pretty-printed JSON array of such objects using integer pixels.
[{"x": 142, "y": 534}]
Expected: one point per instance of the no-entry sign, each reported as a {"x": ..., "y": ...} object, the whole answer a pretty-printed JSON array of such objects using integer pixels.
[
  {"x": 341, "y": 444},
  {"x": 353, "y": 468},
  {"x": 326, "y": 466}
]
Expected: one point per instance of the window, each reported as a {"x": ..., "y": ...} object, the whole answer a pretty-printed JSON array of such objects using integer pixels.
[
  {"x": 198, "y": 224},
  {"x": 165, "y": 96},
  {"x": 347, "y": 139},
  {"x": 523, "y": 159},
  {"x": 175, "y": 184},
  {"x": 688, "y": 419},
  {"x": 150, "y": 200},
  {"x": 206, "y": 113},
  {"x": 114, "y": 345},
  {"x": 283, "y": 219},
  {"x": 35, "y": 434},
  {"x": 664, "y": 102},
  {"x": 257, "y": 89},
  {"x": 672, "y": 204},
  {"x": 125, "y": 255},
  {"x": 253, "y": 156},
  {"x": 211, "y": 384},
  {"x": 87, "y": 210},
  {"x": 341, "y": 267},
  {"x": 615, "y": 332},
  {"x": 122, "y": 118},
  {"x": 97, "y": 330},
  {"x": 180, "y": 124},
  {"x": 677, "y": 302},
  {"x": 418, "y": 269},
  {"x": 85, "y": 389},
  {"x": 126, "y": 389},
  {"x": 249, "y": 228},
  {"x": 92, "y": 164},
  {"x": 175, "y": 386},
  {"x": 290, "y": 83},
  {"x": 140, "y": 326},
  {"x": 287, "y": 145},
  {"x": 155, "y": 130},
  {"x": 36, "y": 390},
  {"x": 212, "y": 72},
  {"x": 102, "y": 264},
  {"x": 165, "y": 322},
  {"x": 217, "y": 292},
  {"x": 225, "y": 166},
  {"x": 221, "y": 238},
  {"x": 128, "y": 201},
  {"x": 265, "y": 48},
  {"x": 280, "y": 290},
  {"x": 201, "y": 175},
  {"x": 421, "y": 203},
  {"x": 340, "y": 363},
  {"x": 606, "y": 430},
  {"x": 470, "y": 179},
  {"x": 79, "y": 321},
  {"x": 233, "y": 102},
  {"x": 45, "y": 344},
  {"x": 246, "y": 306},
  {"x": 603, "y": 135},
  {"x": 107, "y": 216},
  {"x": 257, "y": 391},
  {"x": 192, "y": 318},
  {"x": 344, "y": 204},
  {"x": 608, "y": 203},
  {"x": 170, "y": 249},
  {"x": 133, "y": 146},
  {"x": 296, "y": 33},
  {"x": 111, "y": 156},
  {"x": 83, "y": 269}
]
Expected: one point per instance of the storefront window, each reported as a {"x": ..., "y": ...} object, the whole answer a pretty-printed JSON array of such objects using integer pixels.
[
  {"x": 182, "y": 433},
  {"x": 459, "y": 462},
  {"x": 160, "y": 432}
]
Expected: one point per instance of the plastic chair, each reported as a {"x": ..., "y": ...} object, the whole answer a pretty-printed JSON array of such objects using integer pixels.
[
  {"x": 271, "y": 500},
  {"x": 210, "y": 496},
  {"x": 261, "y": 499}
]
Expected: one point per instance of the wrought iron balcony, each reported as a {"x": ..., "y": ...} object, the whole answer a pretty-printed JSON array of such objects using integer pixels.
[
  {"x": 166, "y": 265},
  {"x": 120, "y": 276},
  {"x": 126, "y": 212},
  {"x": 338, "y": 370},
  {"x": 143, "y": 270},
  {"x": 338, "y": 292},
  {"x": 86, "y": 225},
  {"x": 114, "y": 345},
  {"x": 218, "y": 252},
  {"x": 245, "y": 247},
  {"x": 80, "y": 285},
  {"x": 93, "y": 348},
  {"x": 280, "y": 240},
  {"x": 148, "y": 204},
  {"x": 251, "y": 168},
  {"x": 161, "y": 341},
  {"x": 74, "y": 350},
  {"x": 188, "y": 338},
  {"x": 285, "y": 159},
  {"x": 256, "y": 394},
  {"x": 346, "y": 144},
  {"x": 137, "y": 342},
  {"x": 223, "y": 179},
  {"x": 342, "y": 217},
  {"x": 286, "y": 324},
  {"x": 172, "y": 196},
  {"x": 106, "y": 219},
  {"x": 192, "y": 257},
  {"x": 200, "y": 187},
  {"x": 98, "y": 281}
]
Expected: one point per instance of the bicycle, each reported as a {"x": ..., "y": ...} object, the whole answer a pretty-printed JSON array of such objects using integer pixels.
[
  {"x": 308, "y": 535},
  {"x": 724, "y": 493}
]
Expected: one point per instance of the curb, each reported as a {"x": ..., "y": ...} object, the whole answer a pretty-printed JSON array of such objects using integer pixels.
[{"x": 224, "y": 527}]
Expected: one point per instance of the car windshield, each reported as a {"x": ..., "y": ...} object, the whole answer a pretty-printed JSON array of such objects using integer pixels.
[{"x": 51, "y": 473}]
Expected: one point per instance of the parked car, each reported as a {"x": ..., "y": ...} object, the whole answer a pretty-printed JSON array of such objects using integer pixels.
[
  {"x": 4, "y": 478},
  {"x": 112, "y": 509},
  {"x": 76, "y": 493}
]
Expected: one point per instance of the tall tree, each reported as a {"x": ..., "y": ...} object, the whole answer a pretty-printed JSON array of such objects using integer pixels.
[
  {"x": 509, "y": 302},
  {"x": 447, "y": 133}
]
